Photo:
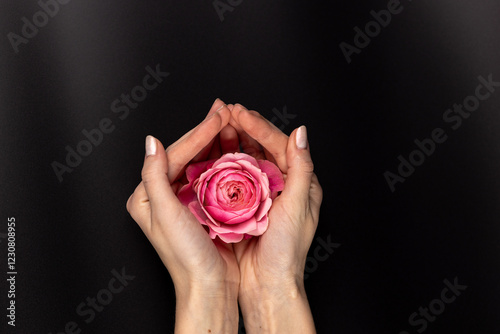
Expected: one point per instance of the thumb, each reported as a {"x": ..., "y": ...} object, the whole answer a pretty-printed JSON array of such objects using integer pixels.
[
  {"x": 155, "y": 179},
  {"x": 300, "y": 167}
]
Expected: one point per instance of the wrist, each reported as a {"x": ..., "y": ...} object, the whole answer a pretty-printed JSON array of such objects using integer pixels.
[
  {"x": 206, "y": 308},
  {"x": 276, "y": 308}
]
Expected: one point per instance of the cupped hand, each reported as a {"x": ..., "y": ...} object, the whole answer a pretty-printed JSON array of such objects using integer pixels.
[
  {"x": 272, "y": 265},
  {"x": 181, "y": 242},
  {"x": 204, "y": 271},
  {"x": 280, "y": 253}
]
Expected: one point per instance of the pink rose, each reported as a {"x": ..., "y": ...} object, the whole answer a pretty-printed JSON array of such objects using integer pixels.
[{"x": 232, "y": 195}]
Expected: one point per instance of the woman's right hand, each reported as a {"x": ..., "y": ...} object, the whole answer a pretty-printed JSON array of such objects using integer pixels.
[{"x": 272, "y": 295}]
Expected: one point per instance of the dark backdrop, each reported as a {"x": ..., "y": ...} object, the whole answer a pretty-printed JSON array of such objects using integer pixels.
[{"x": 382, "y": 254}]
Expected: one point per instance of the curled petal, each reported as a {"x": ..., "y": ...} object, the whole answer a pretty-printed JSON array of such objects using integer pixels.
[
  {"x": 230, "y": 237},
  {"x": 262, "y": 226},
  {"x": 194, "y": 170},
  {"x": 198, "y": 212},
  {"x": 236, "y": 157},
  {"x": 247, "y": 226},
  {"x": 263, "y": 209},
  {"x": 276, "y": 181},
  {"x": 186, "y": 194}
]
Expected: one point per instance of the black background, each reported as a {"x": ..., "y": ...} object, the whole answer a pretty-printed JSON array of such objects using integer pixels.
[{"x": 396, "y": 248}]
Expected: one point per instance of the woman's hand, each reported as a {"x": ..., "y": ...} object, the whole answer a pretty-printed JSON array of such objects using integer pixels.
[
  {"x": 265, "y": 273},
  {"x": 271, "y": 294},
  {"x": 205, "y": 272}
]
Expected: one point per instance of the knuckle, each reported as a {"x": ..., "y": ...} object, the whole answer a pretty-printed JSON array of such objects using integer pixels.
[
  {"x": 316, "y": 188},
  {"x": 133, "y": 206},
  {"x": 148, "y": 175},
  {"x": 309, "y": 166},
  {"x": 128, "y": 205}
]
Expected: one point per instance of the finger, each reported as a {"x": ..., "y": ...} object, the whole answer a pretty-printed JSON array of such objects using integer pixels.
[
  {"x": 218, "y": 103},
  {"x": 188, "y": 146},
  {"x": 229, "y": 142},
  {"x": 315, "y": 197},
  {"x": 155, "y": 179},
  {"x": 248, "y": 144},
  {"x": 173, "y": 230},
  {"x": 232, "y": 121},
  {"x": 185, "y": 149},
  {"x": 215, "y": 152},
  {"x": 264, "y": 132},
  {"x": 251, "y": 146},
  {"x": 216, "y": 106},
  {"x": 140, "y": 209},
  {"x": 138, "y": 205},
  {"x": 300, "y": 168},
  {"x": 203, "y": 154}
]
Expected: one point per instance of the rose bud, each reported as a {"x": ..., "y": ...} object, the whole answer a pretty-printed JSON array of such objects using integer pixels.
[{"x": 232, "y": 195}]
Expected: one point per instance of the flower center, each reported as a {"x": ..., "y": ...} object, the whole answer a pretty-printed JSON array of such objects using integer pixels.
[{"x": 234, "y": 192}]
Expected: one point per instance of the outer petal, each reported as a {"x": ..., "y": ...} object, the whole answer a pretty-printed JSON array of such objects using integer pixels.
[
  {"x": 230, "y": 218},
  {"x": 230, "y": 237},
  {"x": 221, "y": 165},
  {"x": 262, "y": 226},
  {"x": 276, "y": 181},
  {"x": 194, "y": 170},
  {"x": 235, "y": 157},
  {"x": 263, "y": 209},
  {"x": 219, "y": 214},
  {"x": 247, "y": 226},
  {"x": 197, "y": 211},
  {"x": 186, "y": 194}
]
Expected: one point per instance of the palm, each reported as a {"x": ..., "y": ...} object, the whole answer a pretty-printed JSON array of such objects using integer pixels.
[
  {"x": 273, "y": 254},
  {"x": 209, "y": 259}
]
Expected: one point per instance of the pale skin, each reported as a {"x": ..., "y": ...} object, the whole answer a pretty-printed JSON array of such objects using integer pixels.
[{"x": 263, "y": 274}]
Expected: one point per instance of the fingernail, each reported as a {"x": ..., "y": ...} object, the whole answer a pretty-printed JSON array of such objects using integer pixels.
[
  {"x": 301, "y": 138},
  {"x": 215, "y": 112},
  {"x": 150, "y": 146}
]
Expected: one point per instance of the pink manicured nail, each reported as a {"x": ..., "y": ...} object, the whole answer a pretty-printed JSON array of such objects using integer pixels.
[
  {"x": 301, "y": 138},
  {"x": 150, "y": 146}
]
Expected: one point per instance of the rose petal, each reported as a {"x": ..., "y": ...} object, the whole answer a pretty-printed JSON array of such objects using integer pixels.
[
  {"x": 197, "y": 211},
  {"x": 276, "y": 181},
  {"x": 258, "y": 176},
  {"x": 186, "y": 194},
  {"x": 263, "y": 209},
  {"x": 210, "y": 220},
  {"x": 246, "y": 186},
  {"x": 195, "y": 170},
  {"x": 230, "y": 218},
  {"x": 262, "y": 226},
  {"x": 230, "y": 237},
  {"x": 235, "y": 157},
  {"x": 246, "y": 226},
  {"x": 232, "y": 195},
  {"x": 226, "y": 165},
  {"x": 219, "y": 214}
]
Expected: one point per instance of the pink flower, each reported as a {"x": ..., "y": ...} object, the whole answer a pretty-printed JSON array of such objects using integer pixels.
[{"x": 232, "y": 195}]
